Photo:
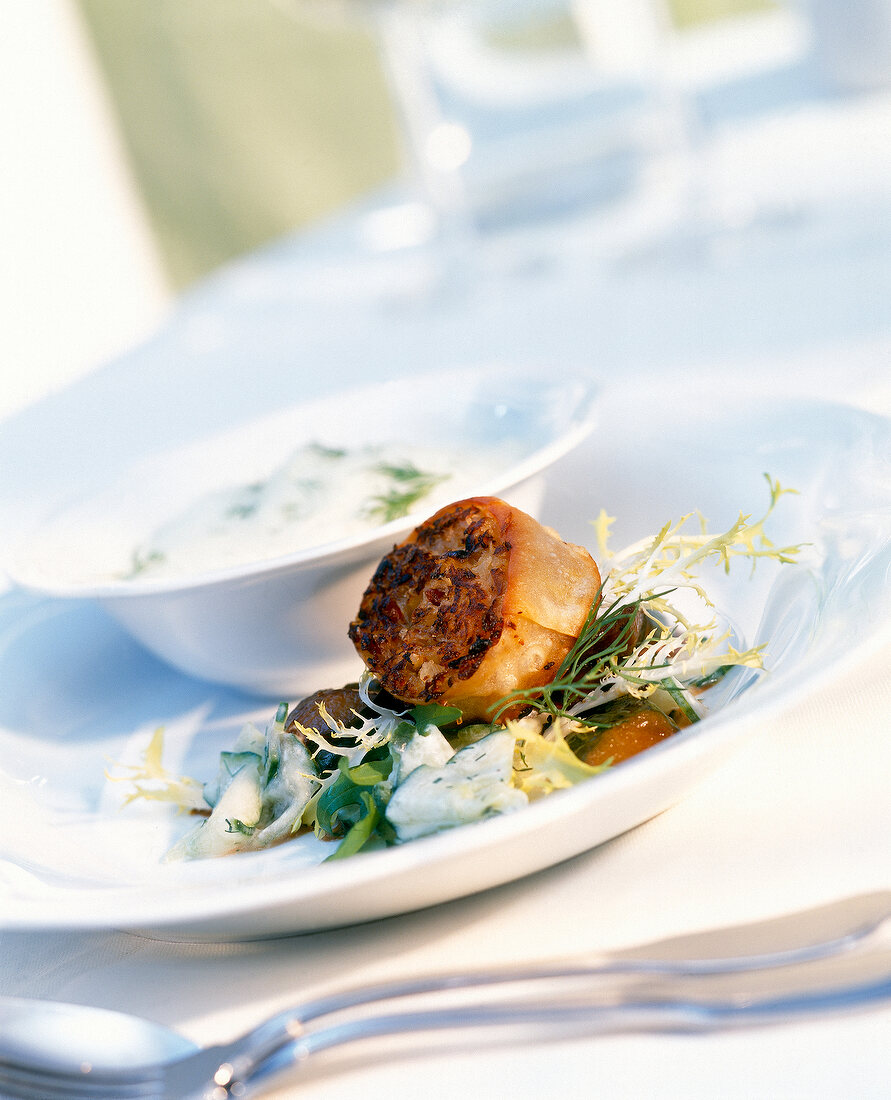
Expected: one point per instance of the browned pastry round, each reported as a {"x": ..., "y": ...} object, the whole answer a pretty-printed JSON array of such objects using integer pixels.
[{"x": 480, "y": 600}]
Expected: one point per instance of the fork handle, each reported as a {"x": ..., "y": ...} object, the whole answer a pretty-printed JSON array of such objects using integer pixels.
[
  {"x": 264, "y": 1040},
  {"x": 633, "y": 1014}
]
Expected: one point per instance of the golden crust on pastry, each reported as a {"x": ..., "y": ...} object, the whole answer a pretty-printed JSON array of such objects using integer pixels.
[{"x": 480, "y": 600}]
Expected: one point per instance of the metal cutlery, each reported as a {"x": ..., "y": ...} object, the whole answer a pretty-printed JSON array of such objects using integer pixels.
[{"x": 831, "y": 959}]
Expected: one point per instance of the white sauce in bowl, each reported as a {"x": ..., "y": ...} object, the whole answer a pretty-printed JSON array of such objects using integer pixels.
[{"x": 318, "y": 495}]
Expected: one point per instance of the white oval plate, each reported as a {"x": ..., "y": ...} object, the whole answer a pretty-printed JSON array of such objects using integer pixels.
[{"x": 80, "y": 694}]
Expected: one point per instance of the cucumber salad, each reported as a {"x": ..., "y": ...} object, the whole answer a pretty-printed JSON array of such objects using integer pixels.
[{"x": 364, "y": 770}]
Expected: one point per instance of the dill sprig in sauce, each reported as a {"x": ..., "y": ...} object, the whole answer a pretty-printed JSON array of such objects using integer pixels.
[{"x": 410, "y": 485}]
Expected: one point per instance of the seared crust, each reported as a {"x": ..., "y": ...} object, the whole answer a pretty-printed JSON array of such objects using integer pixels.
[{"x": 433, "y": 608}]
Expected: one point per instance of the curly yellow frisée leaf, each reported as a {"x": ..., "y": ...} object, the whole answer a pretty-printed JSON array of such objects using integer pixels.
[
  {"x": 668, "y": 559},
  {"x": 152, "y": 781},
  {"x": 545, "y": 763}
]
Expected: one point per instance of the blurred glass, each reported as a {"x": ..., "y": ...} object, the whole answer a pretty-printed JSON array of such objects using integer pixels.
[
  {"x": 247, "y": 119},
  {"x": 522, "y": 112},
  {"x": 852, "y": 42}
]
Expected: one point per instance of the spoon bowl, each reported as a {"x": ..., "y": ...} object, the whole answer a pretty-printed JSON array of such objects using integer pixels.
[{"x": 61, "y": 1037}]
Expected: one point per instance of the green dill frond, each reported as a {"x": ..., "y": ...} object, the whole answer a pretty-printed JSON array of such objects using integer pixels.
[
  {"x": 325, "y": 452},
  {"x": 141, "y": 560},
  {"x": 605, "y": 635},
  {"x": 409, "y": 485},
  {"x": 395, "y": 504},
  {"x": 405, "y": 471}
]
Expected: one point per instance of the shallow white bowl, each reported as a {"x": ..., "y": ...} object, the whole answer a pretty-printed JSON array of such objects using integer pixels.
[{"x": 279, "y": 626}]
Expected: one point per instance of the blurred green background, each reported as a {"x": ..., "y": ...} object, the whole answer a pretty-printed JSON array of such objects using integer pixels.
[{"x": 245, "y": 119}]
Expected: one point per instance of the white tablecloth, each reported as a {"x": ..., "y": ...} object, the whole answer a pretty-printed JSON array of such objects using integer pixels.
[{"x": 799, "y": 815}]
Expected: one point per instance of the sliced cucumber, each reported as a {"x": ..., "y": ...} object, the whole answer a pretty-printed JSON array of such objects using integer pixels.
[
  {"x": 292, "y": 780},
  {"x": 231, "y": 763},
  {"x": 232, "y": 822},
  {"x": 427, "y": 748},
  {"x": 473, "y": 784}
]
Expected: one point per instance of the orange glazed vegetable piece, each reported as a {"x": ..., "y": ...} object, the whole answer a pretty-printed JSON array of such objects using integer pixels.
[{"x": 639, "y": 731}]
